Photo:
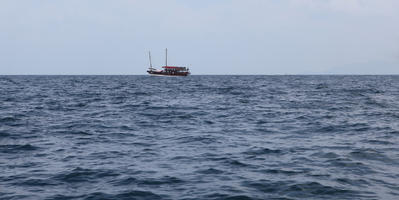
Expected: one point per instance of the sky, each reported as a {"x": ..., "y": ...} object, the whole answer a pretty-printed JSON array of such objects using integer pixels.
[{"x": 78, "y": 37}]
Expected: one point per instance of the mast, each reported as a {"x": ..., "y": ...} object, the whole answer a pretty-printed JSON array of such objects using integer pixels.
[
  {"x": 149, "y": 55},
  {"x": 166, "y": 60}
]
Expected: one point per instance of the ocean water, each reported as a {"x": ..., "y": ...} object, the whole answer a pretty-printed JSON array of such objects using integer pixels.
[{"x": 199, "y": 137}]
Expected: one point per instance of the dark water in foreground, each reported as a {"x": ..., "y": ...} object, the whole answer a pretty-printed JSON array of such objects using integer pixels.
[{"x": 200, "y": 137}]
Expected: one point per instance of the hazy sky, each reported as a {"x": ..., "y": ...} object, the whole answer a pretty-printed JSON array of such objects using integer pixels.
[{"x": 210, "y": 36}]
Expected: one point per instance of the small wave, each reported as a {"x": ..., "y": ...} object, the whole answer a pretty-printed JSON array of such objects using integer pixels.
[
  {"x": 142, "y": 144},
  {"x": 210, "y": 171},
  {"x": 126, "y": 181},
  {"x": 106, "y": 155},
  {"x": 310, "y": 189},
  {"x": 8, "y": 99},
  {"x": 348, "y": 164},
  {"x": 328, "y": 155},
  {"x": 166, "y": 180},
  {"x": 262, "y": 151},
  {"x": 219, "y": 196},
  {"x": 84, "y": 175},
  {"x": 74, "y": 132},
  {"x": 141, "y": 93},
  {"x": 8, "y": 119},
  {"x": 353, "y": 182},
  {"x": 301, "y": 190},
  {"x": 4, "y": 134},
  {"x": 12, "y": 197},
  {"x": 380, "y": 142},
  {"x": 26, "y": 164},
  {"x": 370, "y": 154},
  {"x": 79, "y": 105},
  {"x": 321, "y": 86},
  {"x": 236, "y": 163},
  {"x": 34, "y": 182},
  {"x": 262, "y": 121},
  {"x": 207, "y": 139},
  {"x": 69, "y": 197},
  {"x": 282, "y": 171},
  {"x": 155, "y": 182},
  {"x": 131, "y": 195},
  {"x": 208, "y": 122},
  {"x": 393, "y": 185},
  {"x": 329, "y": 129},
  {"x": 139, "y": 195},
  {"x": 13, "y": 148},
  {"x": 7, "y": 80},
  {"x": 361, "y": 91},
  {"x": 225, "y": 90},
  {"x": 265, "y": 185}
]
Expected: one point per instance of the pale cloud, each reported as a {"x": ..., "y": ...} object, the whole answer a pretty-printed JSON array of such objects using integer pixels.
[{"x": 355, "y": 7}]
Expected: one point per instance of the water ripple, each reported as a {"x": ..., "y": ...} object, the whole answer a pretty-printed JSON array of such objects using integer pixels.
[{"x": 199, "y": 137}]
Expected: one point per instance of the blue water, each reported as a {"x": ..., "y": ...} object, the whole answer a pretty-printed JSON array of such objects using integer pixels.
[{"x": 199, "y": 137}]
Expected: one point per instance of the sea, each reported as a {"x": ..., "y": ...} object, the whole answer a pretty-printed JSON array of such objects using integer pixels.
[{"x": 205, "y": 137}]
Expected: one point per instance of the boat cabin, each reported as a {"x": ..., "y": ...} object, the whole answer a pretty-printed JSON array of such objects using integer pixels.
[{"x": 174, "y": 68}]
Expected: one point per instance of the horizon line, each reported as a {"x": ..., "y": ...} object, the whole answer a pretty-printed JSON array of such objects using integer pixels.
[{"x": 202, "y": 75}]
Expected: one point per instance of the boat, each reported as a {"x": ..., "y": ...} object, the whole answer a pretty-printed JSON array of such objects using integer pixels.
[{"x": 167, "y": 70}]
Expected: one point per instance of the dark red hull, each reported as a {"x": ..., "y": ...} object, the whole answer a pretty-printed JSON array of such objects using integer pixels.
[{"x": 169, "y": 73}]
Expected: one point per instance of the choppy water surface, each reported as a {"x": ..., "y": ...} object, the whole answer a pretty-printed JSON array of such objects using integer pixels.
[{"x": 199, "y": 137}]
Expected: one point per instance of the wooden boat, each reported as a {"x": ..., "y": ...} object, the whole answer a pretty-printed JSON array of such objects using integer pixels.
[{"x": 167, "y": 70}]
